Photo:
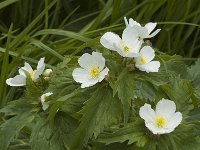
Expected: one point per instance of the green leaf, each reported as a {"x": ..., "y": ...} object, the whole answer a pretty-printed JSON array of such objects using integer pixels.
[
  {"x": 114, "y": 146},
  {"x": 133, "y": 133},
  {"x": 6, "y": 3},
  {"x": 141, "y": 138},
  {"x": 184, "y": 138},
  {"x": 145, "y": 90},
  {"x": 125, "y": 87},
  {"x": 61, "y": 82},
  {"x": 70, "y": 34},
  {"x": 67, "y": 94},
  {"x": 46, "y": 48},
  {"x": 194, "y": 115},
  {"x": 12, "y": 127},
  {"x": 32, "y": 87},
  {"x": 101, "y": 110},
  {"x": 194, "y": 73},
  {"x": 194, "y": 70},
  {"x": 53, "y": 135},
  {"x": 170, "y": 65},
  {"x": 178, "y": 91},
  {"x": 16, "y": 107}
]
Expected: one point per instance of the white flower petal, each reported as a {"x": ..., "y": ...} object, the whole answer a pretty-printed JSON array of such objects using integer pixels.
[
  {"x": 27, "y": 67},
  {"x": 133, "y": 23},
  {"x": 48, "y": 93},
  {"x": 18, "y": 80},
  {"x": 21, "y": 72},
  {"x": 148, "y": 53},
  {"x": 147, "y": 113},
  {"x": 156, "y": 130},
  {"x": 131, "y": 54},
  {"x": 135, "y": 48},
  {"x": 150, "y": 26},
  {"x": 38, "y": 72},
  {"x": 129, "y": 35},
  {"x": 174, "y": 121},
  {"x": 142, "y": 32},
  {"x": 41, "y": 63},
  {"x": 152, "y": 66},
  {"x": 165, "y": 108},
  {"x": 89, "y": 82},
  {"x": 108, "y": 40},
  {"x": 103, "y": 74},
  {"x": 44, "y": 96},
  {"x": 153, "y": 34},
  {"x": 86, "y": 61},
  {"x": 80, "y": 75},
  {"x": 45, "y": 105},
  {"x": 99, "y": 60}
]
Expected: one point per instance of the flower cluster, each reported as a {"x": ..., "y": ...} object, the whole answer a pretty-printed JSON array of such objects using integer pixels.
[
  {"x": 20, "y": 80},
  {"x": 131, "y": 45},
  {"x": 93, "y": 70}
]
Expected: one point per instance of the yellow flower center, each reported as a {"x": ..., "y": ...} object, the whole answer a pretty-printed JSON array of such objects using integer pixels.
[
  {"x": 160, "y": 121},
  {"x": 142, "y": 60},
  {"x": 126, "y": 48},
  {"x": 94, "y": 72},
  {"x": 32, "y": 73}
]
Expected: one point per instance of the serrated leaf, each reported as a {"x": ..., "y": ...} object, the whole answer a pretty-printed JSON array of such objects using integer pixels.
[
  {"x": 67, "y": 94},
  {"x": 194, "y": 72},
  {"x": 133, "y": 133},
  {"x": 101, "y": 110},
  {"x": 16, "y": 107},
  {"x": 184, "y": 138},
  {"x": 114, "y": 146},
  {"x": 53, "y": 136},
  {"x": 178, "y": 91},
  {"x": 61, "y": 81},
  {"x": 12, "y": 127},
  {"x": 144, "y": 90},
  {"x": 142, "y": 139},
  {"x": 170, "y": 65},
  {"x": 125, "y": 87}
]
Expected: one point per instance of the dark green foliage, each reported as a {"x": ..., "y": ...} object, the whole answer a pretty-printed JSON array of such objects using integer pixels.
[
  {"x": 125, "y": 86},
  {"x": 53, "y": 135},
  {"x": 11, "y": 128},
  {"x": 105, "y": 116},
  {"x": 101, "y": 110}
]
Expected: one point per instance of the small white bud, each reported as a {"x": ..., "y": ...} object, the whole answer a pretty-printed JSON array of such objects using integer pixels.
[{"x": 48, "y": 72}]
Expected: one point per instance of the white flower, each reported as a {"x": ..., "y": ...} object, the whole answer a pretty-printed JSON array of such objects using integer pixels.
[
  {"x": 20, "y": 80},
  {"x": 128, "y": 46},
  {"x": 142, "y": 32},
  {"x": 164, "y": 119},
  {"x": 43, "y": 99},
  {"x": 48, "y": 72},
  {"x": 144, "y": 60},
  {"x": 92, "y": 69}
]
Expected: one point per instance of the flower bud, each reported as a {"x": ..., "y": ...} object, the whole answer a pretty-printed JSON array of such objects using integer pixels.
[{"x": 48, "y": 72}]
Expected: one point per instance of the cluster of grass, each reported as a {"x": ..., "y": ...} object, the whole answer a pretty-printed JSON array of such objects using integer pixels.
[{"x": 31, "y": 29}]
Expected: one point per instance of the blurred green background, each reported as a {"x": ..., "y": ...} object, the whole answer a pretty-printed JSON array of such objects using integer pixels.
[{"x": 30, "y": 29}]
